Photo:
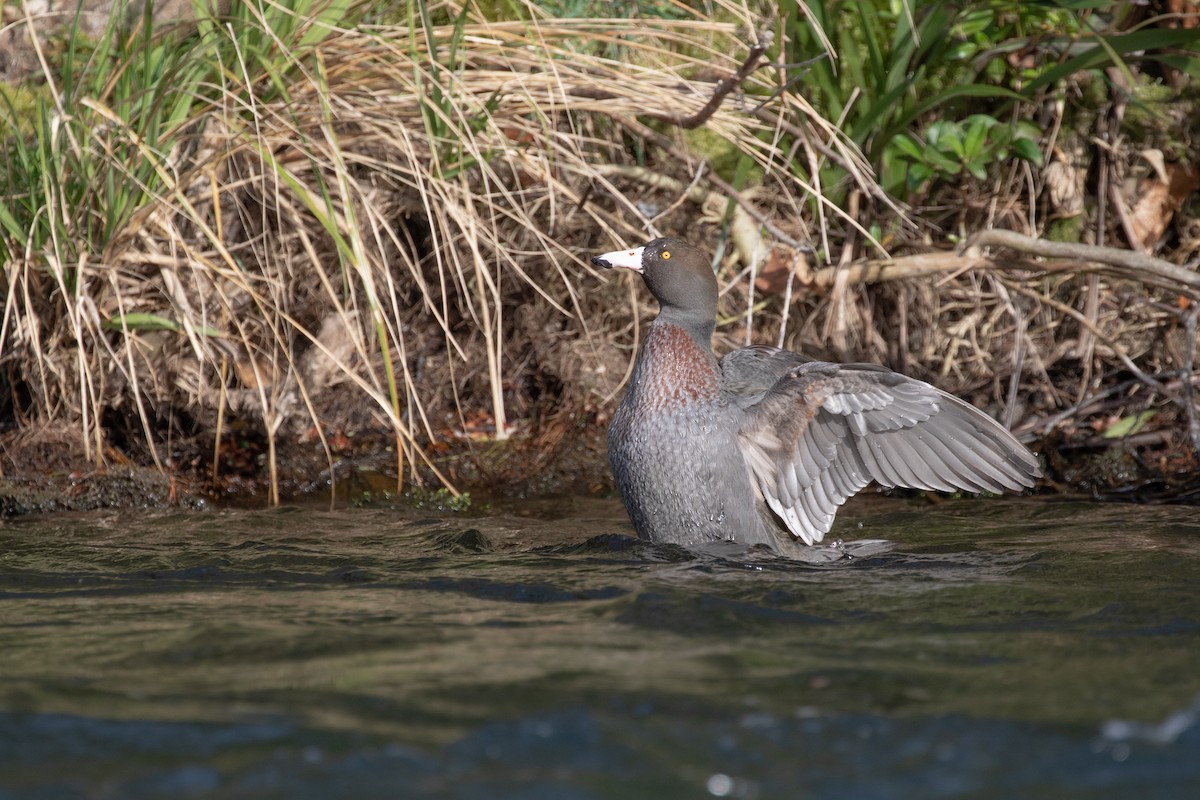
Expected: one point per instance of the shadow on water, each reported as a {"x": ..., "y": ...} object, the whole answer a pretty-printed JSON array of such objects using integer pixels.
[{"x": 1007, "y": 648}]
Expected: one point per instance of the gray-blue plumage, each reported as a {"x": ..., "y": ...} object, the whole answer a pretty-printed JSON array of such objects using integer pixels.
[{"x": 765, "y": 445}]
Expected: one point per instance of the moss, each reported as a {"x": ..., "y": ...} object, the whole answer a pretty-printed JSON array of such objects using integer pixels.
[
  {"x": 1149, "y": 110},
  {"x": 723, "y": 156},
  {"x": 21, "y": 102},
  {"x": 1066, "y": 229}
]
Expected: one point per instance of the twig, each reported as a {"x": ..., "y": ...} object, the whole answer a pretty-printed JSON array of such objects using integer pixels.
[
  {"x": 1189, "y": 324},
  {"x": 725, "y": 85},
  {"x": 1133, "y": 265},
  {"x": 928, "y": 263},
  {"x": 722, "y": 90},
  {"x": 711, "y": 177},
  {"x": 1143, "y": 439},
  {"x": 1085, "y": 406},
  {"x": 1118, "y": 351},
  {"x": 799, "y": 76},
  {"x": 1018, "y": 356},
  {"x": 683, "y": 195},
  {"x": 743, "y": 218},
  {"x": 1118, "y": 202},
  {"x": 835, "y": 322},
  {"x": 891, "y": 269}
]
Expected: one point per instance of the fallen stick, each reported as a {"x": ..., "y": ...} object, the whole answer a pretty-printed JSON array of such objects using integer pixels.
[
  {"x": 1113, "y": 260},
  {"x": 1074, "y": 258}
]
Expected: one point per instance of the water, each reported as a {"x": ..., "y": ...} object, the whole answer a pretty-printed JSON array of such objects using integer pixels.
[{"x": 1004, "y": 648}]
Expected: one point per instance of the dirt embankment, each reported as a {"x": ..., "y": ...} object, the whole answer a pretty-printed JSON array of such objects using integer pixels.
[{"x": 366, "y": 267}]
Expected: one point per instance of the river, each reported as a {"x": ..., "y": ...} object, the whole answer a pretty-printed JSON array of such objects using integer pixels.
[{"x": 1019, "y": 647}]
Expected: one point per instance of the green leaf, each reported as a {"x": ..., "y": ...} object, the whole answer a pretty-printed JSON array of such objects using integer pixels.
[
  {"x": 973, "y": 22},
  {"x": 952, "y": 145},
  {"x": 902, "y": 121},
  {"x": 325, "y": 23},
  {"x": 1098, "y": 56},
  {"x": 1185, "y": 64},
  {"x": 977, "y": 131},
  {"x": 918, "y": 174},
  {"x": 1128, "y": 426},
  {"x": 963, "y": 51},
  {"x": 1028, "y": 130},
  {"x": 987, "y": 120},
  {"x": 1028, "y": 150},
  {"x": 153, "y": 322},
  {"x": 941, "y": 162},
  {"x": 939, "y": 130},
  {"x": 868, "y": 22},
  {"x": 14, "y": 229},
  {"x": 908, "y": 147},
  {"x": 876, "y": 116}
]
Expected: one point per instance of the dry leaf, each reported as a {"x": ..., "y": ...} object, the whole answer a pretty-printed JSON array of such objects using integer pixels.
[
  {"x": 1065, "y": 187},
  {"x": 1159, "y": 199},
  {"x": 782, "y": 262}
]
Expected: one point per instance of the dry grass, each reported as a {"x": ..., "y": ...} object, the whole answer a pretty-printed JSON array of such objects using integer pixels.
[
  {"x": 389, "y": 232},
  {"x": 399, "y": 241}
]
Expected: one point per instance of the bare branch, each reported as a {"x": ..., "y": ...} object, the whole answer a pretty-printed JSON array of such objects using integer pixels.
[
  {"x": 1124, "y": 263},
  {"x": 725, "y": 85}
]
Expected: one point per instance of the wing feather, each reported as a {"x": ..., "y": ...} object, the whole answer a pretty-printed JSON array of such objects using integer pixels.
[{"x": 814, "y": 434}]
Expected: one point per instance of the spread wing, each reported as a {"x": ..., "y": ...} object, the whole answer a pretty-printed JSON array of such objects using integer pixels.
[{"x": 822, "y": 432}]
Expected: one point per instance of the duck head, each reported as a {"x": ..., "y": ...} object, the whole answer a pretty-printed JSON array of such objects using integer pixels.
[{"x": 678, "y": 275}]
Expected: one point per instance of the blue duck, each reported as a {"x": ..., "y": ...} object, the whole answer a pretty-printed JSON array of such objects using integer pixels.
[{"x": 764, "y": 446}]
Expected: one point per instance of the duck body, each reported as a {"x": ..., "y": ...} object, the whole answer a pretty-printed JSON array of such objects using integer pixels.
[
  {"x": 677, "y": 419},
  {"x": 763, "y": 446}
]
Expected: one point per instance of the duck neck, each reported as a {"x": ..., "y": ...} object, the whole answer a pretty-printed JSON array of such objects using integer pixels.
[
  {"x": 676, "y": 366},
  {"x": 699, "y": 326}
]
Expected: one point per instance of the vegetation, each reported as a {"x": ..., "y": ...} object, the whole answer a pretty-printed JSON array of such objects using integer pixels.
[{"x": 333, "y": 227}]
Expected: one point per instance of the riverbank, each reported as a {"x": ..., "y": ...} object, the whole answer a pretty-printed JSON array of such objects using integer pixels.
[{"x": 364, "y": 251}]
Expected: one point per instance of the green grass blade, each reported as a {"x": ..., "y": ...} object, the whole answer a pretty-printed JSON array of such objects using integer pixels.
[{"x": 1100, "y": 55}]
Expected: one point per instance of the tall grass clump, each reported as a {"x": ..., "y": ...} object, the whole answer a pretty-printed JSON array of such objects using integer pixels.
[
  {"x": 303, "y": 226},
  {"x": 301, "y": 221},
  {"x": 125, "y": 288}
]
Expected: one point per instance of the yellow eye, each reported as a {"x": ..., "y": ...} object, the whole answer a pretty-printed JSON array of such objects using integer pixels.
[{"x": 666, "y": 254}]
